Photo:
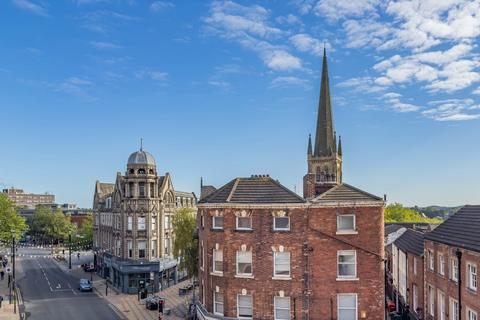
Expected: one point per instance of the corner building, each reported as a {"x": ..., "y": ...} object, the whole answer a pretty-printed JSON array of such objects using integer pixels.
[
  {"x": 132, "y": 226},
  {"x": 268, "y": 253}
]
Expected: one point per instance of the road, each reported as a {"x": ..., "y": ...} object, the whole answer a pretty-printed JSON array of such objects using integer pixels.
[{"x": 50, "y": 293}]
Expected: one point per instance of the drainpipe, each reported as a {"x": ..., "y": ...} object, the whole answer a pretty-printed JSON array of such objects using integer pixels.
[{"x": 459, "y": 258}]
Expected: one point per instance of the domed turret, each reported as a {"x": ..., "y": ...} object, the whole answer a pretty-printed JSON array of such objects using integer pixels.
[{"x": 141, "y": 157}]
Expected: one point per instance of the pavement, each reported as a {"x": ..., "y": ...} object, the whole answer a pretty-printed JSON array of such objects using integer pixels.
[{"x": 9, "y": 311}]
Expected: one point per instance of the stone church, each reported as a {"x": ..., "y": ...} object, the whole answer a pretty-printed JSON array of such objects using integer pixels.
[{"x": 133, "y": 226}]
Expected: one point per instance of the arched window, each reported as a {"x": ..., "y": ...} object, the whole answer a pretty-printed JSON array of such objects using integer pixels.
[
  {"x": 141, "y": 171},
  {"x": 132, "y": 171},
  {"x": 319, "y": 174},
  {"x": 150, "y": 171}
]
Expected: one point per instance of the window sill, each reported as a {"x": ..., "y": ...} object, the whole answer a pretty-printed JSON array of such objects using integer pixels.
[
  {"x": 244, "y": 230},
  {"x": 216, "y": 229},
  {"x": 281, "y": 230},
  {"x": 347, "y": 279},
  {"x": 246, "y": 276},
  {"x": 471, "y": 291},
  {"x": 216, "y": 273},
  {"x": 281, "y": 278},
  {"x": 346, "y": 232}
]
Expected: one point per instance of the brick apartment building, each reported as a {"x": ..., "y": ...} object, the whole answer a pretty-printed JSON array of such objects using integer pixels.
[
  {"x": 28, "y": 200},
  {"x": 407, "y": 270},
  {"x": 452, "y": 261},
  {"x": 267, "y": 253}
]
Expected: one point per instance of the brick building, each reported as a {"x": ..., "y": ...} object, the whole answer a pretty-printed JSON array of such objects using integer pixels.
[
  {"x": 28, "y": 200},
  {"x": 407, "y": 270},
  {"x": 452, "y": 261},
  {"x": 267, "y": 253}
]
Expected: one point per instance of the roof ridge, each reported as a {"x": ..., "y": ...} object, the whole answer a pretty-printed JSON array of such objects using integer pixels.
[
  {"x": 237, "y": 180},
  {"x": 362, "y": 191},
  {"x": 286, "y": 189},
  {"x": 217, "y": 191}
]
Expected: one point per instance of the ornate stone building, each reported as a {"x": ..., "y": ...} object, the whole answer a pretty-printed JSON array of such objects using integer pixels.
[
  {"x": 268, "y": 253},
  {"x": 133, "y": 225}
]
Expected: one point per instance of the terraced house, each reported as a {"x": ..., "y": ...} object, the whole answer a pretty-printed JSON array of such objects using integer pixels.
[
  {"x": 268, "y": 253},
  {"x": 452, "y": 261}
]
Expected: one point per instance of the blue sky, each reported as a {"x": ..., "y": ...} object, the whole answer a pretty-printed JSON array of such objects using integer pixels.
[{"x": 222, "y": 89}]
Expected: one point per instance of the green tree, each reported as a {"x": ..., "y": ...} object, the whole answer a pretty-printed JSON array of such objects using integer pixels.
[
  {"x": 10, "y": 220},
  {"x": 396, "y": 212},
  {"x": 185, "y": 246},
  {"x": 51, "y": 225}
]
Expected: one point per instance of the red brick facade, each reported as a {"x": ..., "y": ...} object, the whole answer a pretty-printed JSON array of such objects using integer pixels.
[
  {"x": 313, "y": 244},
  {"x": 470, "y": 299},
  {"x": 415, "y": 279}
]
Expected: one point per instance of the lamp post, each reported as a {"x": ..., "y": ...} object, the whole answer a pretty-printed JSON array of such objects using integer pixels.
[
  {"x": 70, "y": 251},
  {"x": 13, "y": 273}
]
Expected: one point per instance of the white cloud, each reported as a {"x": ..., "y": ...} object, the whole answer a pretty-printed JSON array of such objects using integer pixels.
[
  {"x": 158, "y": 6},
  {"x": 365, "y": 32},
  {"x": 288, "y": 19},
  {"x": 32, "y": 7},
  {"x": 222, "y": 84},
  {"x": 75, "y": 86},
  {"x": 393, "y": 101},
  {"x": 158, "y": 76},
  {"x": 476, "y": 91},
  {"x": 249, "y": 26},
  {"x": 456, "y": 75},
  {"x": 361, "y": 84},
  {"x": 104, "y": 45},
  {"x": 288, "y": 82},
  {"x": 335, "y": 9},
  {"x": 453, "y": 110},
  {"x": 306, "y": 43}
]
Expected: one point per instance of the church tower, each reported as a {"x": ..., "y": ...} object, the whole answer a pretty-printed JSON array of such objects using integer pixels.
[{"x": 325, "y": 159}]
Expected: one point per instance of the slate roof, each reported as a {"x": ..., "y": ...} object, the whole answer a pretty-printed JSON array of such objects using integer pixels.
[
  {"x": 141, "y": 157},
  {"x": 345, "y": 192},
  {"x": 411, "y": 241},
  {"x": 461, "y": 230},
  {"x": 105, "y": 188},
  {"x": 253, "y": 190},
  {"x": 391, "y": 228}
]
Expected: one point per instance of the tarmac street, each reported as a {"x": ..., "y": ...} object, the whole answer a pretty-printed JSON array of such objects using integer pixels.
[{"x": 50, "y": 293}]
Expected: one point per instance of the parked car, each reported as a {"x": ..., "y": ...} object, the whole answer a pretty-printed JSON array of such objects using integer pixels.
[
  {"x": 85, "y": 285},
  {"x": 89, "y": 267}
]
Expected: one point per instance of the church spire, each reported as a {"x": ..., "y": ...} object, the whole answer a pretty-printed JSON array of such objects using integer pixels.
[
  {"x": 309, "y": 151},
  {"x": 324, "y": 139},
  {"x": 340, "y": 146}
]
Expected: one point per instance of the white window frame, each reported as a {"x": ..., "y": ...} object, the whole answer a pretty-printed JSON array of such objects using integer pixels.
[
  {"x": 338, "y": 304},
  {"x": 343, "y": 252},
  {"x": 431, "y": 260},
  {"x": 215, "y": 302},
  {"x": 214, "y": 226},
  {"x": 454, "y": 269},
  {"x": 215, "y": 255},
  {"x": 275, "y": 275},
  {"x": 129, "y": 223},
  {"x": 347, "y": 231},
  {"x": 275, "y": 307},
  {"x": 472, "y": 276},
  {"x": 130, "y": 253},
  {"x": 453, "y": 309},
  {"x": 238, "y": 306},
  {"x": 145, "y": 249},
  {"x": 431, "y": 300},
  {"x": 141, "y": 223},
  {"x": 441, "y": 310},
  {"x": 154, "y": 223},
  {"x": 415, "y": 297},
  {"x": 441, "y": 264},
  {"x": 243, "y": 228},
  {"x": 415, "y": 260},
  {"x": 251, "y": 265},
  {"x": 275, "y": 228},
  {"x": 471, "y": 314}
]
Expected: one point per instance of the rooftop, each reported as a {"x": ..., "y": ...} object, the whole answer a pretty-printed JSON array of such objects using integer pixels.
[
  {"x": 257, "y": 189},
  {"x": 460, "y": 230},
  {"x": 411, "y": 241}
]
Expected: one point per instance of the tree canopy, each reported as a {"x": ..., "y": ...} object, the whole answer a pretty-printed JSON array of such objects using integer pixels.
[
  {"x": 396, "y": 212},
  {"x": 185, "y": 246},
  {"x": 10, "y": 220},
  {"x": 51, "y": 225}
]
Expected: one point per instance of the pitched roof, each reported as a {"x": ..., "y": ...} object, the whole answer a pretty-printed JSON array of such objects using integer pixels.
[
  {"x": 411, "y": 241},
  {"x": 105, "y": 188},
  {"x": 253, "y": 190},
  {"x": 460, "y": 230},
  {"x": 345, "y": 192},
  {"x": 391, "y": 228}
]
